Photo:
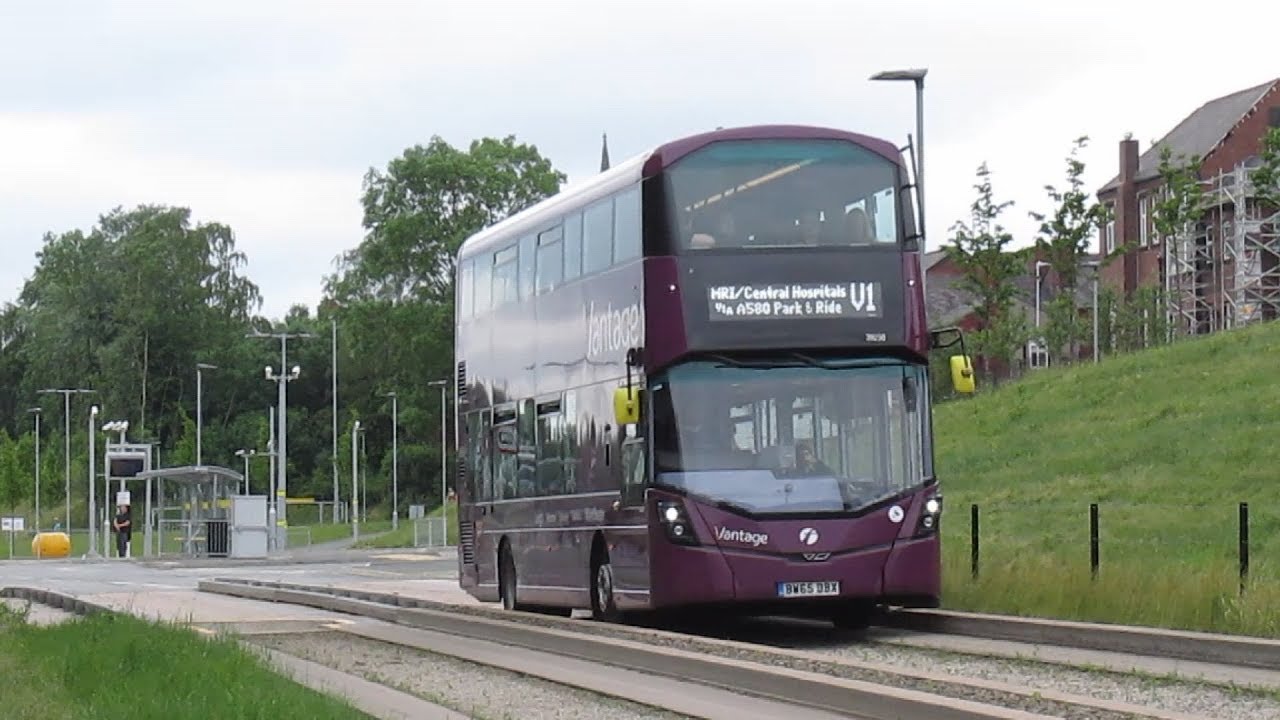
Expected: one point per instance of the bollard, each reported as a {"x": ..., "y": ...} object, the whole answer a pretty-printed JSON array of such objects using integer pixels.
[
  {"x": 1093, "y": 540},
  {"x": 973, "y": 540},
  {"x": 1244, "y": 545}
]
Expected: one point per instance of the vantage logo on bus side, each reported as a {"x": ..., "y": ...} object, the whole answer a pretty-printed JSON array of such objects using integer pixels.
[{"x": 795, "y": 300}]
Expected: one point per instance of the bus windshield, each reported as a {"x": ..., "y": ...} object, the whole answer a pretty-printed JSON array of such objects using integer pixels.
[
  {"x": 792, "y": 438},
  {"x": 783, "y": 193}
]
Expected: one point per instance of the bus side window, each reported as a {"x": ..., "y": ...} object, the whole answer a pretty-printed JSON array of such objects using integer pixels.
[
  {"x": 505, "y": 449},
  {"x": 526, "y": 453},
  {"x": 550, "y": 448},
  {"x": 528, "y": 269},
  {"x": 572, "y": 246},
  {"x": 569, "y": 411},
  {"x": 597, "y": 237},
  {"x": 633, "y": 471}
]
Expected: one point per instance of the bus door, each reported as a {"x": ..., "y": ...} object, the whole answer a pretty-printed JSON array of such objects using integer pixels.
[
  {"x": 627, "y": 463},
  {"x": 475, "y": 495}
]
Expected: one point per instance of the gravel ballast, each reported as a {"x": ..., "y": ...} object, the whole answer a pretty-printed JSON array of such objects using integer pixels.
[
  {"x": 482, "y": 692},
  {"x": 823, "y": 653}
]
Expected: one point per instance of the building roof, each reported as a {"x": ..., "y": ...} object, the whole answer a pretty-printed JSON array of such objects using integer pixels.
[{"x": 1200, "y": 132}]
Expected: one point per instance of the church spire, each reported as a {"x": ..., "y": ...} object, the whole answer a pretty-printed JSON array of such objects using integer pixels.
[{"x": 604, "y": 152}]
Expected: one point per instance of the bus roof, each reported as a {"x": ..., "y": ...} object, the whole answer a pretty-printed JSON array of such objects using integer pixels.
[{"x": 543, "y": 214}]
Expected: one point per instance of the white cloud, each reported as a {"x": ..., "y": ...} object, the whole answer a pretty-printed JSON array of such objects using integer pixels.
[{"x": 265, "y": 115}]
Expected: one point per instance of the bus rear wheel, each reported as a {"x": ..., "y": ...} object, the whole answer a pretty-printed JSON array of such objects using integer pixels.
[{"x": 506, "y": 578}]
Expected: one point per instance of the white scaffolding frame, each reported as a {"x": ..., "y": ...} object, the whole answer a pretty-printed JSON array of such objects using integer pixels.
[
  {"x": 1253, "y": 249},
  {"x": 1208, "y": 291}
]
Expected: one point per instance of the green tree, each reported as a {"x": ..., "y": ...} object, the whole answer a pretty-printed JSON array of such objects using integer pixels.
[
  {"x": 393, "y": 295},
  {"x": 1064, "y": 240},
  {"x": 988, "y": 270},
  {"x": 1179, "y": 206}
]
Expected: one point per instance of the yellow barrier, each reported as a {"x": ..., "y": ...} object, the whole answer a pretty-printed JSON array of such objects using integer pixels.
[{"x": 51, "y": 545}]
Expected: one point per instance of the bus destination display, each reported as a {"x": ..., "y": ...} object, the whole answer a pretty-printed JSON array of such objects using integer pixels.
[{"x": 795, "y": 301}]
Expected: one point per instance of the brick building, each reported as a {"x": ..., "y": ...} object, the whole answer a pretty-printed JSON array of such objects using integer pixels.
[
  {"x": 950, "y": 306},
  {"x": 1223, "y": 272}
]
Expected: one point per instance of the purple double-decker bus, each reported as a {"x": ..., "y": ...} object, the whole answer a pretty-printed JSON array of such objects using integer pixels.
[{"x": 699, "y": 380}]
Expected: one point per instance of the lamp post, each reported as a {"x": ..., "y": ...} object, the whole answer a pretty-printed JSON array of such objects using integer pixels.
[
  {"x": 200, "y": 409},
  {"x": 246, "y": 454},
  {"x": 36, "y": 411},
  {"x": 444, "y": 453},
  {"x": 355, "y": 484},
  {"x": 66, "y": 431},
  {"x": 1096, "y": 266},
  {"x": 364, "y": 472},
  {"x": 333, "y": 349},
  {"x": 1039, "y": 264},
  {"x": 93, "y": 501},
  {"x": 280, "y": 449},
  {"x": 395, "y": 467},
  {"x": 915, "y": 75}
]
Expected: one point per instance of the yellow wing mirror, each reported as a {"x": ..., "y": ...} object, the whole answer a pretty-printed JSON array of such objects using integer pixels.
[
  {"x": 962, "y": 373},
  {"x": 962, "y": 378},
  {"x": 626, "y": 405}
]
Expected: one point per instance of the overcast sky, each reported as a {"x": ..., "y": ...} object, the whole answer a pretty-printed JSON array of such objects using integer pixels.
[{"x": 265, "y": 114}]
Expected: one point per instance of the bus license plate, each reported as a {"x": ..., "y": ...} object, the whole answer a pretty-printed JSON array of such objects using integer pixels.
[{"x": 816, "y": 588}]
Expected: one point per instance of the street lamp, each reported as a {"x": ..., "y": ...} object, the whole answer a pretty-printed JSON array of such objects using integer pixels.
[
  {"x": 395, "y": 481},
  {"x": 246, "y": 454},
  {"x": 364, "y": 472},
  {"x": 1039, "y": 264},
  {"x": 444, "y": 452},
  {"x": 333, "y": 350},
  {"x": 915, "y": 75},
  {"x": 1096, "y": 266},
  {"x": 36, "y": 411},
  {"x": 66, "y": 431},
  {"x": 281, "y": 380},
  {"x": 93, "y": 501},
  {"x": 355, "y": 484},
  {"x": 200, "y": 410}
]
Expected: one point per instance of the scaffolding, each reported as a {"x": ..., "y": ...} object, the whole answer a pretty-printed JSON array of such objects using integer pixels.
[
  {"x": 1223, "y": 271},
  {"x": 1188, "y": 275},
  {"x": 1252, "y": 248}
]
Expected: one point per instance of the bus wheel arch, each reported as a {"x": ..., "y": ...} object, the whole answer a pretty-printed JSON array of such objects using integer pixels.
[
  {"x": 603, "y": 607},
  {"x": 506, "y": 575}
]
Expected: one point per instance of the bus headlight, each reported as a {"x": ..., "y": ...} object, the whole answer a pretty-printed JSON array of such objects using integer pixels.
[
  {"x": 675, "y": 521},
  {"x": 930, "y": 515}
]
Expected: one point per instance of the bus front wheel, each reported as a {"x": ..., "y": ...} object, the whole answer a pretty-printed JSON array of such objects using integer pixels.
[
  {"x": 507, "y": 578},
  {"x": 603, "y": 607}
]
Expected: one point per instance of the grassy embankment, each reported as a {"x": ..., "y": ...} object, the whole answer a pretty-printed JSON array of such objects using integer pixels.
[
  {"x": 402, "y": 537},
  {"x": 120, "y": 666},
  {"x": 1167, "y": 442}
]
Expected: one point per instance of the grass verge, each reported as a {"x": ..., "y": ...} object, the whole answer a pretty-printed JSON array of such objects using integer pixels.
[
  {"x": 403, "y": 536},
  {"x": 120, "y": 666},
  {"x": 1167, "y": 442}
]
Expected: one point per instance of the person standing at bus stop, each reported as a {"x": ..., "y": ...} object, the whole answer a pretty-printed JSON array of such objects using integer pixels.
[{"x": 123, "y": 525}]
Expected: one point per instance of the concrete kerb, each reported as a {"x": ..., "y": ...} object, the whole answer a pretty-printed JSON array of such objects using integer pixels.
[
  {"x": 53, "y": 599},
  {"x": 1235, "y": 650},
  {"x": 413, "y": 612}
]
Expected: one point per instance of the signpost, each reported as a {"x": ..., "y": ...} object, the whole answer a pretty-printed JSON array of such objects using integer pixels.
[{"x": 12, "y": 524}]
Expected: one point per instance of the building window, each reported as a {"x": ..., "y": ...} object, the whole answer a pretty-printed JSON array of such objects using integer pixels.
[
  {"x": 1144, "y": 204},
  {"x": 1109, "y": 231}
]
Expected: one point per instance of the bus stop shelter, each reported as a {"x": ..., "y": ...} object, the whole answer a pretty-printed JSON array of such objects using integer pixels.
[{"x": 195, "y": 502}]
